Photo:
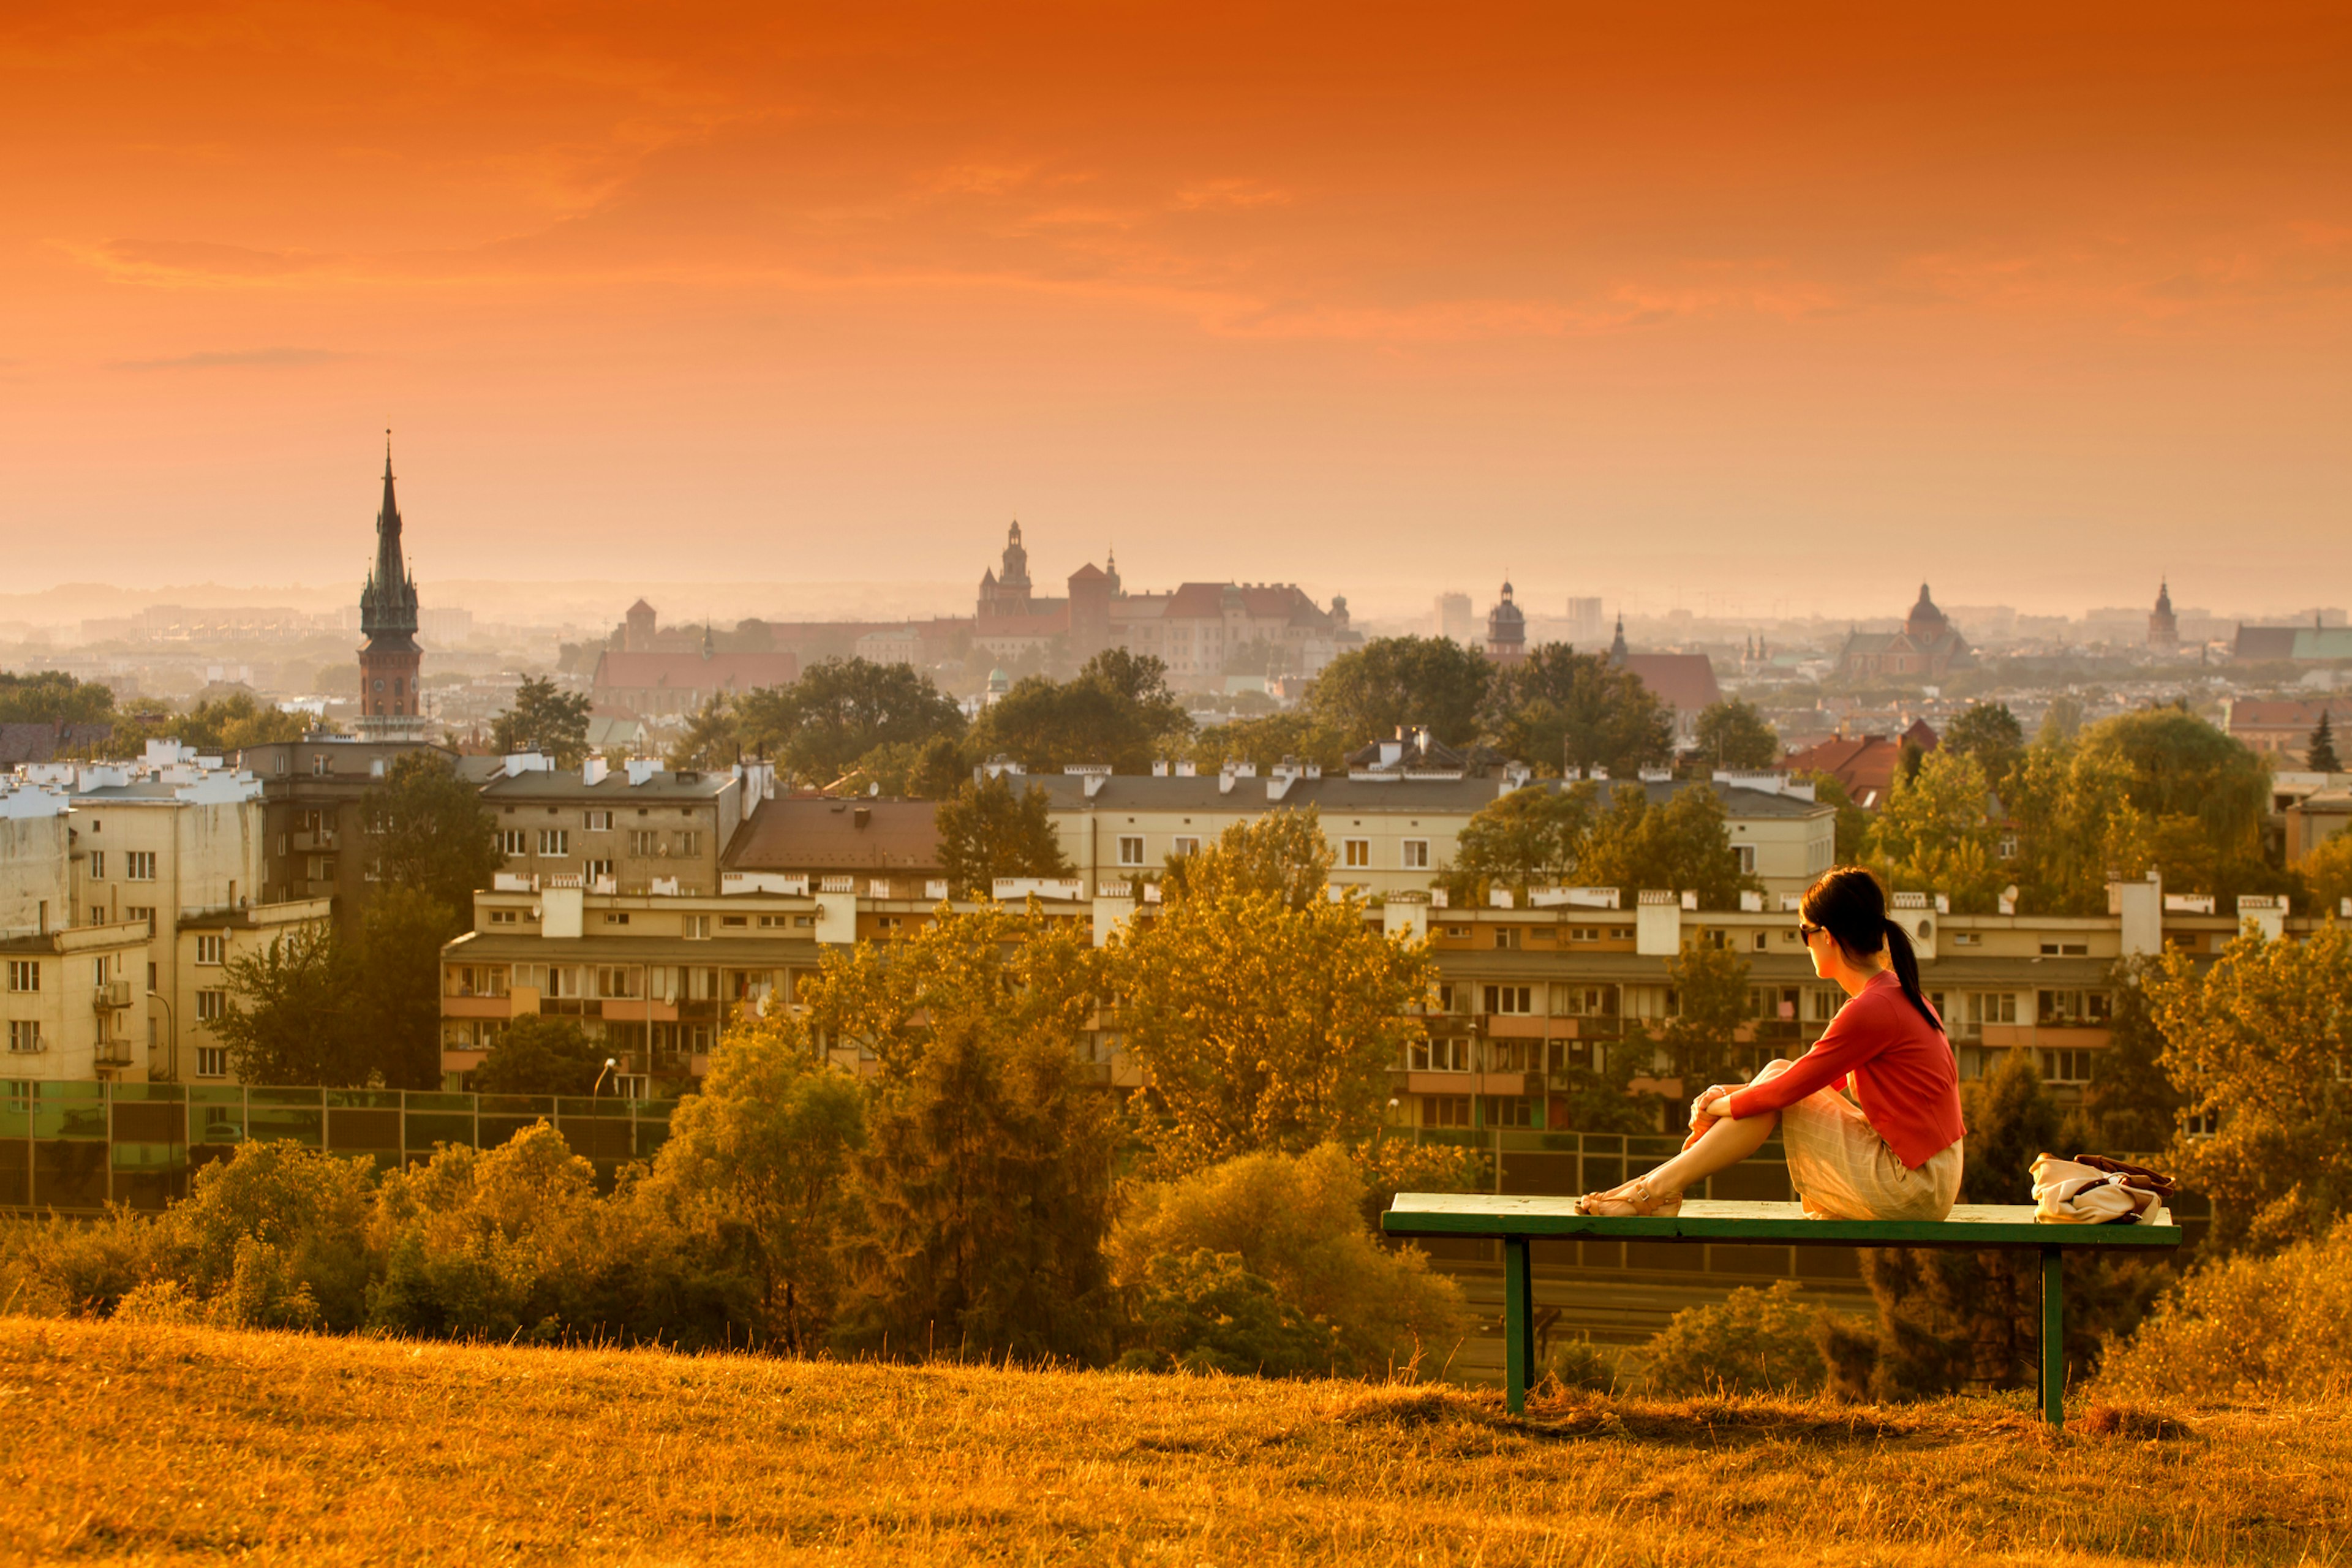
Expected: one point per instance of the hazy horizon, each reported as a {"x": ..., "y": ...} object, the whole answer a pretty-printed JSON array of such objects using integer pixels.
[{"x": 1786, "y": 310}]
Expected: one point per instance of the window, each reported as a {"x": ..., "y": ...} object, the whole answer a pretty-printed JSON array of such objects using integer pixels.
[
  {"x": 1991, "y": 1007},
  {"x": 211, "y": 1004},
  {"x": 1356, "y": 852},
  {"x": 1130, "y": 849},
  {"x": 1826, "y": 1002},
  {"x": 1747, "y": 855},
  {"x": 1185, "y": 843},
  {"x": 2065, "y": 949},
  {"x": 212, "y": 1061},
  {"x": 643, "y": 841},
  {"x": 1760, "y": 939},
  {"x": 1517, "y": 999},
  {"x": 1967, "y": 939},
  {"x": 696, "y": 928},
  {"x": 1449, "y": 997},
  {"x": 318, "y": 768},
  {"x": 1440, "y": 1055},
  {"x": 1506, "y": 938},
  {"x": 690, "y": 842},
  {"x": 1509, "y": 1110},
  {"x": 144, "y": 913},
  {"x": 734, "y": 922},
  {"x": 512, "y": 841},
  {"x": 504, "y": 917},
  {"x": 2006, "y": 846},
  {"x": 1445, "y": 1110},
  {"x": 23, "y": 1035},
  {"x": 98, "y": 865},
  {"x": 24, "y": 974},
  {"x": 616, "y": 918},
  {"x": 1582, "y": 1001},
  {"x": 774, "y": 922},
  {"x": 2070, "y": 1007},
  {"x": 209, "y": 949},
  {"x": 1457, "y": 933},
  {"x": 598, "y": 822},
  {"x": 2066, "y": 1066},
  {"x": 617, "y": 980},
  {"x": 598, "y": 868},
  {"x": 139, "y": 865},
  {"x": 1584, "y": 934},
  {"x": 554, "y": 842},
  {"x": 1414, "y": 855}
]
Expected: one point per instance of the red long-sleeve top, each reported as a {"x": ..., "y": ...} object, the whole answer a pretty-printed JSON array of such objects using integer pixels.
[{"x": 1905, "y": 1077}]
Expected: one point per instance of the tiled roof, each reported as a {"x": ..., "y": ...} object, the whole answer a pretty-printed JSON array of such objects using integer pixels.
[
  {"x": 819, "y": 834},
  {"x": 1683, "y": 682}
]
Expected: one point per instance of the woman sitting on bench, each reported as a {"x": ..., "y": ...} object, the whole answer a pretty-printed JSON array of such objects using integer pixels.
[{"x": 1897, "y": 1155}]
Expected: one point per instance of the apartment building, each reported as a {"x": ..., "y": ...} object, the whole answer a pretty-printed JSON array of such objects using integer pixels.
[
  {"x": 312, "y": 828},
  {"x": 207, "y": 943},
  {"x": 1394, "y": 820},
  {"x": 73, "y": 1000},
  {"x": 637, "y": 829}
]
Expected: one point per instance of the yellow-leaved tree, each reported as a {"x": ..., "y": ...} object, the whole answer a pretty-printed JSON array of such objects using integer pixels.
[{"x": 1266, "y": 1013}]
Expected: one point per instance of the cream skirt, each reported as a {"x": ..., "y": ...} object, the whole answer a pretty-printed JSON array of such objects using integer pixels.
[{"x": 1842, "y": 1169}]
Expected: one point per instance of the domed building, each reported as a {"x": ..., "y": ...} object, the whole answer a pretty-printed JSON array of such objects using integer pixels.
[
  {"x": 1928, "y": 647},
  {"x": 1506, "y": 631}
]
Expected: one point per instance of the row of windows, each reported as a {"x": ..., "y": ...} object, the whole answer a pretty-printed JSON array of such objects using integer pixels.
[
  {"x": 138, "y": 865},
  {"x": 556, "y": 843},
  {"x": 1354, "y": 853}
]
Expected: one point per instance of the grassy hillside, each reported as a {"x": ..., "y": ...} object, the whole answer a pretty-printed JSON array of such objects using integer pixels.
[{"x": 169, "y": 1444}]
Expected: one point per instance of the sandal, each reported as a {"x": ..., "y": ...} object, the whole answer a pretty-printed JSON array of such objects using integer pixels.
[{"x": 1634, "y": 1200}]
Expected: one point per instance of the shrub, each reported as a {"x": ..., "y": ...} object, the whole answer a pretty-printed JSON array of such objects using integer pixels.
[
  {"x": 1205, "y": 1313},
  {"x": 1580, "y": 1363},
  {"x": 310, "y": 1211},
  {"x": 2246, "y": 1328},
  {"x": 1296, "y": 1221},
  {"x": 57, "y": 1267},
  {"x": 1754, "y": 1342}
]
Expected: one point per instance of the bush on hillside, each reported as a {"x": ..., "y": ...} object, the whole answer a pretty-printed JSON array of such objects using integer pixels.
[
  {"x": 1754, "y": 1342},
  {"x": 1205, "y": 1313},
  {"x": 2247, "y": 1328},
  {"x": 1296, "y": 1221}
]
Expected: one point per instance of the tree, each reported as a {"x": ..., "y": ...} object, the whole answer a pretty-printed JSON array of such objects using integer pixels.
[
  {"x": 2328, "y": 873},
  {"x": 1569, "y": 710},
  {"x": 1854, "y": 824},
  {"x": 912, "y": 769},
  {"x": 1333, "y": 1299},
  {"x": 2130, "y": 1105},
  {"x": 841, "y": 709},
  {"x": 427, "y": 829},
  {"x": 395, "y": 1022},
  {"x": 53, "y": 697},
  {"x": 1267, "y": 740},
  {"x": 1684, "y": 845},
  {"x": 539, "y": 1055},
  {"x": 1118, "y": 709},
  {"x": 713, "y": 737},
  {"x": 1368, "y": 693},
  {"x": 987, "y": 832},
  {"x": 1261, "y": 1021},
  {"x": 544, "y": 718},
  {"x": 1989, "y": 734},
  {"x": 1732, "y": 734},
  {"x": 289, "y": 1016},
  {"x": 1935, "y": 834},
  {"x": 1283, "y": 855},
  {"x": 1533, "y": 837},
  {"x": 982, "y": 1190},
  {"x": 2256, "y": 1046},
  {"x": 1710, "y": 987},
  {"x": 2320, "y": 755},
  {"x": 757, "y": 1166},
  {"x": 2061, "y": 722}
]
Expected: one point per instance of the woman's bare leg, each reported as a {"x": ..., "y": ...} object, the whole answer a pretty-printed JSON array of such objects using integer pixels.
[{"x": 1722, "y": 1146}]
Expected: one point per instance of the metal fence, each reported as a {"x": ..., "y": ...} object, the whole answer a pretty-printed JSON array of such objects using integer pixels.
[{"x": 76, "y": 1147}]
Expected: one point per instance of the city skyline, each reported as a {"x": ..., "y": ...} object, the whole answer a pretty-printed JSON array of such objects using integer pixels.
[{"x": 1801, "y": 308}]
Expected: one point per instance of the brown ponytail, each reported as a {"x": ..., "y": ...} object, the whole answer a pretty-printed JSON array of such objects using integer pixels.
[{"x": 1849, "y": 903}]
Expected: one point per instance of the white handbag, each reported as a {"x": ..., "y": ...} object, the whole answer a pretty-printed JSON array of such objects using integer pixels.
[{"x": 2067, "y": 1193}]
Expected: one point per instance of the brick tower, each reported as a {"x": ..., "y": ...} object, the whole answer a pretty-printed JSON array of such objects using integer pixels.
[{"x": 389, "y": 658}]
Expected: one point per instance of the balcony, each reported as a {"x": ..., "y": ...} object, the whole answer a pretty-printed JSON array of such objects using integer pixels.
[
  {"x": 112, "y": 1054},
  {"x": 111, "y": 996},
  {"x": 322, "y": 841}
]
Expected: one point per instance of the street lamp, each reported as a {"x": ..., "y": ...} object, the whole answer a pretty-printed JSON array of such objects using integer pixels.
[{"x": 610, "y": 1063}]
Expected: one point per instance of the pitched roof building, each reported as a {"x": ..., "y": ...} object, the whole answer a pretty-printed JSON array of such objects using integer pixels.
[
  {"x": 1928, "y": 647},
  {"x": 1685, "y": 682},
  {"x": 389, "y": 659}
]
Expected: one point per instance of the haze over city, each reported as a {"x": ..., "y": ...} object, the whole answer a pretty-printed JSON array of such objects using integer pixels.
[{"x": 1658, "y": 307}]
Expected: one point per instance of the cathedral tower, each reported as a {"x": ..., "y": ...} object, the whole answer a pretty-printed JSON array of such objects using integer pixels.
[{"x": 390, "y": 657}]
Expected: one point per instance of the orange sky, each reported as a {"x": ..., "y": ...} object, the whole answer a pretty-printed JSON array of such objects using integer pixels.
[{"x": 1781, "y": 306}]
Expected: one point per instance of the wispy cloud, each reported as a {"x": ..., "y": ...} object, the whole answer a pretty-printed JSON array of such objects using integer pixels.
[{"x": 236, "y": 359}]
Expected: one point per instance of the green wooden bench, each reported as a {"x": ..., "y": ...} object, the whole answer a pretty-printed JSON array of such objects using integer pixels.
[{"x": 1516, "y": 1221}]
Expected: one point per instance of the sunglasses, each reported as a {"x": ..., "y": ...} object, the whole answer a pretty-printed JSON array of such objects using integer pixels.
[{"x": 1807, "y": 930}]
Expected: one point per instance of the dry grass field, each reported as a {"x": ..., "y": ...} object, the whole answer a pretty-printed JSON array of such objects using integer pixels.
[{"x": 164, "y": 1445}]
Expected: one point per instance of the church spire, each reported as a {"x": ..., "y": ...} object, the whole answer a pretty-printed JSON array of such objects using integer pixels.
[{"x": 388, "y": 602}]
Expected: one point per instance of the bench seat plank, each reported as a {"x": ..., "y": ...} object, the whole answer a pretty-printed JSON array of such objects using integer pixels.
[{"x": 1969, "y": 1224}]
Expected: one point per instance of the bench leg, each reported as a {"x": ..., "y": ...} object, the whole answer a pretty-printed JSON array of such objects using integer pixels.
[
  {"x": 1518, "y": 1323},
  {"x": 2054, "y": 1337}
]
